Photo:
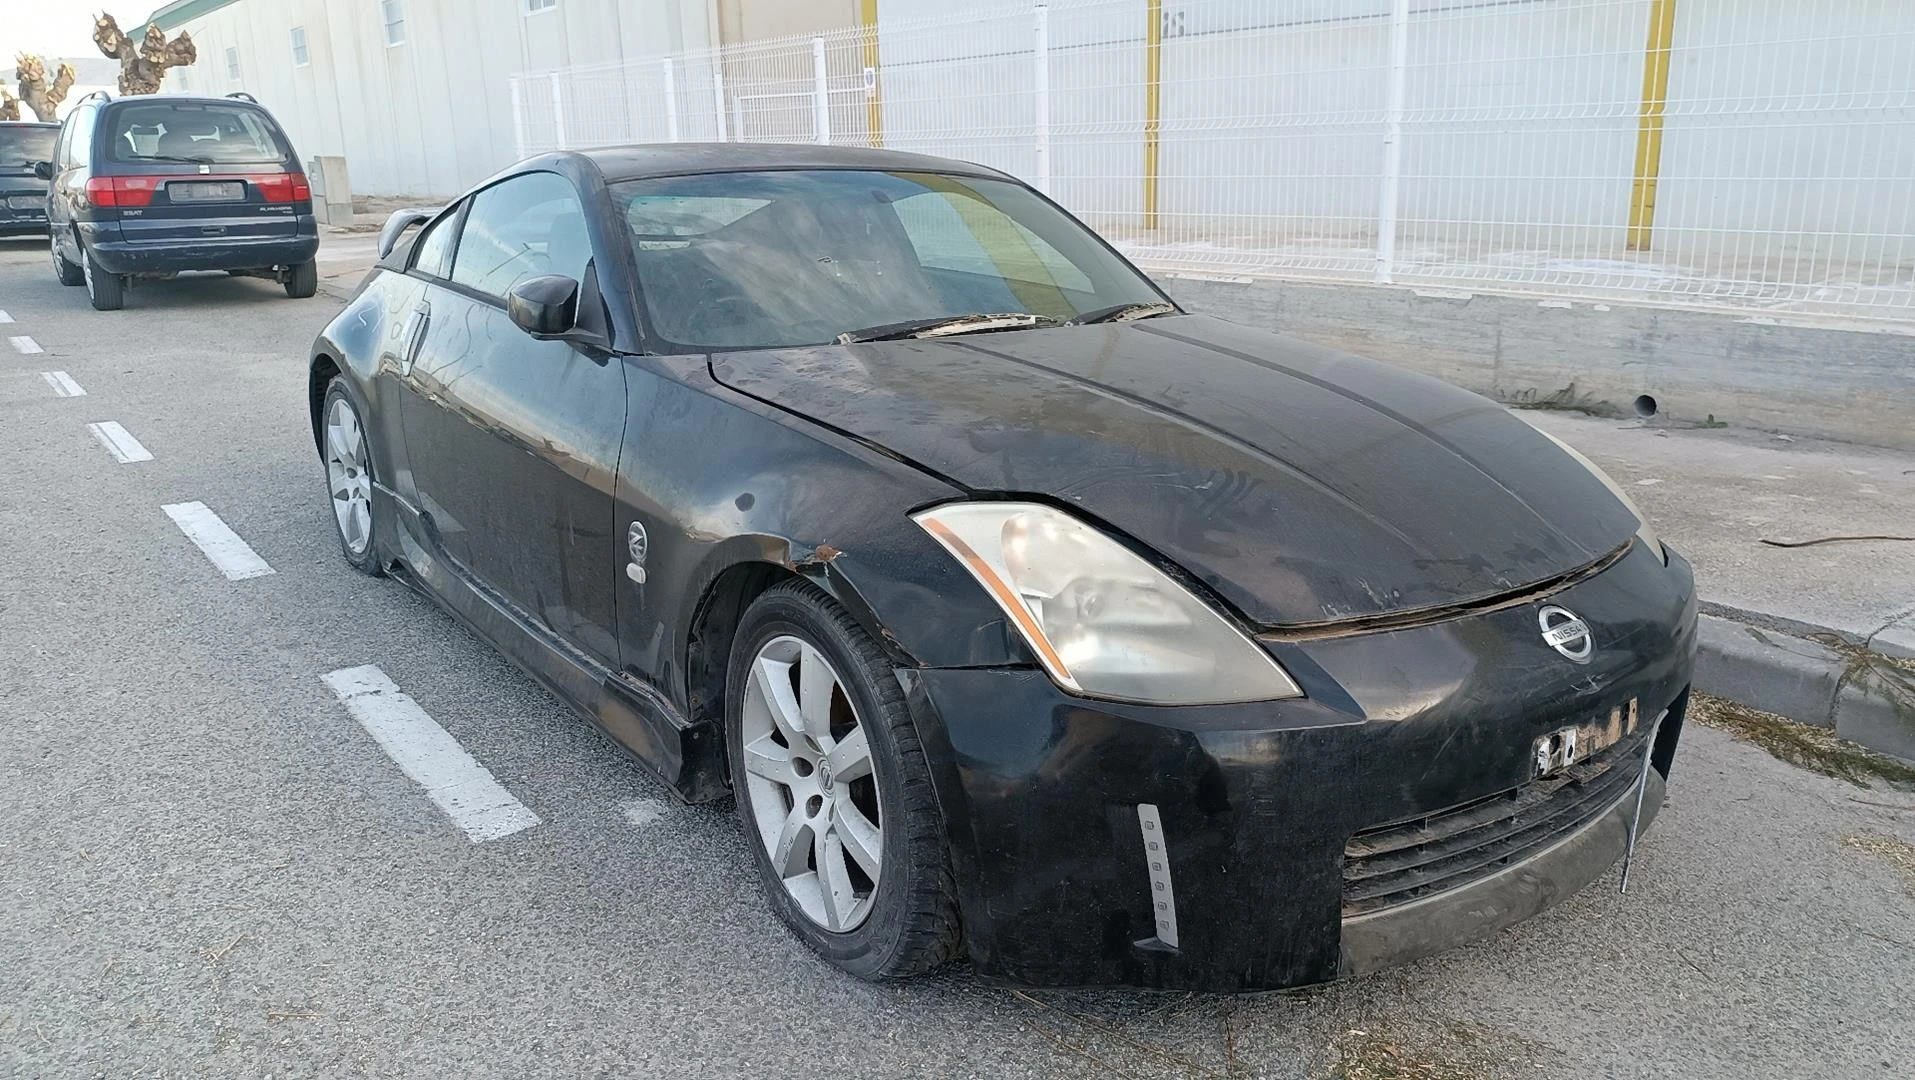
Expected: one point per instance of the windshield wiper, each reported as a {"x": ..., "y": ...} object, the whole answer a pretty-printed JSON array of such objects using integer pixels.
[
  {"x": 176, "y": 157},
  {"x": 1124, "y": 313},
  {"x": 946, "y": 326}
]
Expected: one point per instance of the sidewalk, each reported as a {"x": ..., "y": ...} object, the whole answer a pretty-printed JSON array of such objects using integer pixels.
[{"x": 1823, "y": 634}]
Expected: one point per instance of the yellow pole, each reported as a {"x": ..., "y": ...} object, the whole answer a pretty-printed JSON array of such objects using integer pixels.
[
  {"x": 1655, "y": 93},
  {"x": 873, "y": 103},
  {"x": 1153, "y": 104}
]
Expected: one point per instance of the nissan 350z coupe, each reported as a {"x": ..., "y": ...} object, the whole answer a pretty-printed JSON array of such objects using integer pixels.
[{"x": 1027, "y": 617}]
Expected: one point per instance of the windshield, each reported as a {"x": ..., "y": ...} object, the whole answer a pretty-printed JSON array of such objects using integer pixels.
[
  {"x": 26, "y": 145},
  {"x": 780, "y": 259},
  {"x": 193, "y": 132}
]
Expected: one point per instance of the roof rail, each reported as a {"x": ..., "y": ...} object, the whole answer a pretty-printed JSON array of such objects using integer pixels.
[
  {"x": 242, "y": 95},
  {"x": 101, "y": 94}
]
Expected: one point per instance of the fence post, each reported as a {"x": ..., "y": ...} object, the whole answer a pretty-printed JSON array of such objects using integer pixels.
[
  {"x": 873, "y": 104},
  {"x": 718, "y": 102},
  {"x": 558, "y": 112},
  {"x": 671, "y": 101},
  {"x": 518, "y": 118},
  {"x": 1655, "y": 96},
  {"x": 1042, "y": 88},
  {"x": 1393, "y": 141},
  {"x": 820, "y": 92},
  {"x": 1153, "y": 102}
]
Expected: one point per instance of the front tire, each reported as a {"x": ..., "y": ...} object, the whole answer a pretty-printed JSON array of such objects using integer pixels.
[
  {"x": 833, "y": 789},
  {"x": 107, "y": 291},
  {"x": 67, "y": 272},
  {"x": 349, "y": 479},
  {"x": 303, "y": 281}
]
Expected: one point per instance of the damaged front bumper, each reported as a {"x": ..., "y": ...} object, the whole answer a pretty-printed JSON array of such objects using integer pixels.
[{"x": 1394, "y": 811}]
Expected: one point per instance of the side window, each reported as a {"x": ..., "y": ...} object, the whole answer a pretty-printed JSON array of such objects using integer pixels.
[
  {"x": 432, "y": 254},
  {"x": 525, "y": 227},
  {"x": 79, "y": 136},
  {"x": 953, "y": 231}
]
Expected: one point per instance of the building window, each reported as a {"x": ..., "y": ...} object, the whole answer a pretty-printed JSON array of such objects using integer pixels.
[
  {"x": 533, "y": 7},
  {"x": 300, "y": 57},
  {"x": 232, "y": 64},
  {"x": 394, "y": 13}
]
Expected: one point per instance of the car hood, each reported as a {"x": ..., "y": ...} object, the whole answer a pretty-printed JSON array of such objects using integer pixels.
[{"x": 1303, "y": 485}]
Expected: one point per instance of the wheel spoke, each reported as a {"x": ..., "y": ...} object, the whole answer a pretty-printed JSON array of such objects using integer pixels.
[
  {"x": 815, "y": 683},
  {"x": 774, "y": 679},
  {"x": 862, "y": 840},
  {"x": 835, "y": 878},
  {"x": 851, "y": 758},
  {"x": 336, "y": 442},
  {"x": 764, "y": 757},
  {"x": 790, "y": 852}
]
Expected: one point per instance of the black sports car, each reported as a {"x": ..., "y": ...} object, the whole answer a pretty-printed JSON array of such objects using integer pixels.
[{"x": 1028, "y": 617}]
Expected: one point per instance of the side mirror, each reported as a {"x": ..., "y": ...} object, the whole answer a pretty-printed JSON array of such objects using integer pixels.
[
  {"x": 43, "y": 170},
  {"x": 544, "y": 307}
]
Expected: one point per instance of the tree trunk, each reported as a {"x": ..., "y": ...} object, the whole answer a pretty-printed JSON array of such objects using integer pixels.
[
  {"x": 142, "y": 66},
  {"x": 42, "y": 97}
]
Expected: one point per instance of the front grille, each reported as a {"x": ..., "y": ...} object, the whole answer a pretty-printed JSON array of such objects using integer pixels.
[{"x": 1408, "y": 860}]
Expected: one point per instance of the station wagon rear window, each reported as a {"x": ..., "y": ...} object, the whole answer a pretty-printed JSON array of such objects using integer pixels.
[{"x": 194, "y": 133}]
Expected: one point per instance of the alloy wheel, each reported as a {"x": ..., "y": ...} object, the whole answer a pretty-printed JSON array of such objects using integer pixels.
[
  {"x": 346, "y": 475},
  {"x": 810, "y": 779}
]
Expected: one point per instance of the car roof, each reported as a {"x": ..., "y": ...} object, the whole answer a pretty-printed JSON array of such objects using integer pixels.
[
  {"x": 182, "y": 99},
  {"x": 678, "y": 159}
]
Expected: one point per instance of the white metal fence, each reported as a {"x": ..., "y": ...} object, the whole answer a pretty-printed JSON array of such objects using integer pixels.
[{"x": 1747, "y": 153}]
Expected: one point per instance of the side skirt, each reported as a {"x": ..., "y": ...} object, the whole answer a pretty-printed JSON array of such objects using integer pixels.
[{"x": 687, "y": 756}]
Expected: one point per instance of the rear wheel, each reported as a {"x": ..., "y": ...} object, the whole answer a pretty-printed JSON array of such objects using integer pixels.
[
  {"x": 833, "y": 789},
  {"x": 68, "y": 273},
  {"x": 303, "y": 281},
  {"x": 107, "y": 291},
  {"x": 349, "y": 478}
]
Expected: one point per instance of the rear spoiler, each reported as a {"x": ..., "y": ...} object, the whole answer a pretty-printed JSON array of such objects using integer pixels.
[{"x": 399, "y": 222}]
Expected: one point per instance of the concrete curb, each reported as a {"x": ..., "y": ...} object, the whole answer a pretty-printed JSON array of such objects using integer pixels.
[{"x": 1858, "y": 693}]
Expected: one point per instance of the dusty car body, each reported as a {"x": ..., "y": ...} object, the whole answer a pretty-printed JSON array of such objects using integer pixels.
[{"x": 1486, "y": 653}]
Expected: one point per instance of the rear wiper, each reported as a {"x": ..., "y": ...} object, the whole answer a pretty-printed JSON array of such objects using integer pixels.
[
  {"x": 176, "y": 157},
  {"x": 946, "y": 326},
  {"x": 1124, "y": 313}
]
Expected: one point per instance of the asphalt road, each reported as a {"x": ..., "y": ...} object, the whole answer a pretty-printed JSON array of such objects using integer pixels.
[{"x": 209, "y": 869}]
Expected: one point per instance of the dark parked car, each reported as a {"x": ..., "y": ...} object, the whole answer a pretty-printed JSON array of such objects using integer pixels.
[
  {"x": 23, "y": 195},
  {"x": 148, "y": 187},
  {"x": 1026, "y": 616}
]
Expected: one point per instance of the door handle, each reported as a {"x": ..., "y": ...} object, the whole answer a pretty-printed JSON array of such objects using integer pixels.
[{"x": 415, "y": 336}]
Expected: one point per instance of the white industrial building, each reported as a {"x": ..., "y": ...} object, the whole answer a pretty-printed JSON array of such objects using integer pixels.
[{"x": 416, "y": 94}]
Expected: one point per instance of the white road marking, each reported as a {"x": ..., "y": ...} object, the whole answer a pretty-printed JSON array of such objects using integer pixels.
[
  {"x": 642, "y": 812},
  {"x": 25, "y": 345},
  {"x": 461, "y": 787},
  {"x": 63, "y": 384},
  {"x": 5, "y": 318},
  {"x": 231, "y": 555},
  {"x": 119, "y": 442}
]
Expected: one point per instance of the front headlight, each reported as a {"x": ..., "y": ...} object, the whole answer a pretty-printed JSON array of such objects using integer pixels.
[
  {"x": 1644, "y": 532},
  {"x": 1104, "y": 622}
]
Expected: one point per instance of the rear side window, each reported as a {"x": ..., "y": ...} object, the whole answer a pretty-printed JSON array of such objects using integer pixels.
[
  {"x": 433, "y": 253},
  {"x": 522, "y": 228},
  {"x": 193, "y": 132},
  {"x": 77, "y": 146},
  {"x": 26, "y": 145}
]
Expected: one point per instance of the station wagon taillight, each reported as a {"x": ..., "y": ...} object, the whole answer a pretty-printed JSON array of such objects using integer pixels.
[
  {"x": 282, "y": 187},
  {"x": 122, "y": 190}
]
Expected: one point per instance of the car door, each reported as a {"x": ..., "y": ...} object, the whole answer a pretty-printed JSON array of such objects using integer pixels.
[
  {"x": 69, "y": 176},
  {"x": 513, "y": 441}
]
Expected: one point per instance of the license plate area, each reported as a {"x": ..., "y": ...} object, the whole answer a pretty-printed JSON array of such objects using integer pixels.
[
  {"x": 206, "y": 191},
  {"x": 1570, "y": 745}
]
